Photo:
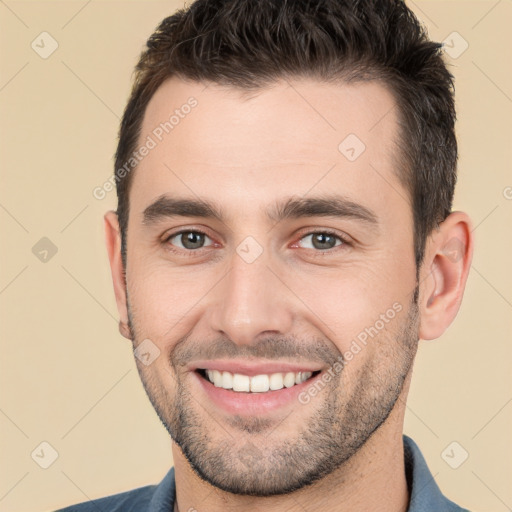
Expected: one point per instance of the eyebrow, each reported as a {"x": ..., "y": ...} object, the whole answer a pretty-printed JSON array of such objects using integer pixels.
[{"x": 292, "y": 208}]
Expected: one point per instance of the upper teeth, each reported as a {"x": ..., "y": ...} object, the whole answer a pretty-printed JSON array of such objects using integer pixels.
[{"x": 258, "y": 383}]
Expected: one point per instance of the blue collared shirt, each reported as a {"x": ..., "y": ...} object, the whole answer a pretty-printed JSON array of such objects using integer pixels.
[{"x": 425, "y": 494}]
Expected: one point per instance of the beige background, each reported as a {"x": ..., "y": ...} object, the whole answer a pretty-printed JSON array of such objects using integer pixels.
[{"x": 68, "y": 378}]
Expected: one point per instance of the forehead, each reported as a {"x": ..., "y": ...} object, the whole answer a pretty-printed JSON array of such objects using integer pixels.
[{"x": 291, "y": 138}]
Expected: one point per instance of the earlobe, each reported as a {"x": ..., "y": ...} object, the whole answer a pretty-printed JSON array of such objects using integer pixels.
[
  {"x": 113, "y": 243},
  {"x": 124, "y": 330},
  {"x": 444, "y": 274}
]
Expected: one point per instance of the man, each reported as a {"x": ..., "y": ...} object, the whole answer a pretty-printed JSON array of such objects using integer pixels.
[{"x": 283, "y": 239}]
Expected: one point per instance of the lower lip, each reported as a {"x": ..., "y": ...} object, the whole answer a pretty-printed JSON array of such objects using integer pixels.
[{"x": 251, "y": 404}]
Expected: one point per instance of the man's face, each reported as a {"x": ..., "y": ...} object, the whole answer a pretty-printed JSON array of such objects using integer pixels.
[{"x": 272, "y": 288}]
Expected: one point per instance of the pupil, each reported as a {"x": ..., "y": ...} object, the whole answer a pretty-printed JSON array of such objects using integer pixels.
[
  {"x": 192, "y": 240},
  {"x": 323, "y": 241}
]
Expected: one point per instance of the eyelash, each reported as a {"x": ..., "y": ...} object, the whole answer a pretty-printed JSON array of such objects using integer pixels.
[{"x": 193, "y": 252}]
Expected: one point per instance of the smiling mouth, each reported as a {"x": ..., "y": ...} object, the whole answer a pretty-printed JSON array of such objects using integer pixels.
[{"x": 263, "y": 383}]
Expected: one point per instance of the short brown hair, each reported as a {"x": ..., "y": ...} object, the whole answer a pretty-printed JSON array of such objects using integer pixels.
[{"x": 248, "y": 44}]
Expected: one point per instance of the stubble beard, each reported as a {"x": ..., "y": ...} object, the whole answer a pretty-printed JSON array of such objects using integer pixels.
[{"x": 252, "y": 456}]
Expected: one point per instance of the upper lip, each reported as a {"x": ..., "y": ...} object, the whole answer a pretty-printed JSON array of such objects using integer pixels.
[{"x": 252, "y": 368}]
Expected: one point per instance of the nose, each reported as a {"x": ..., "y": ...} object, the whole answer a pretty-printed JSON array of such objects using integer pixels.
[{"x": 250, "y": 302}]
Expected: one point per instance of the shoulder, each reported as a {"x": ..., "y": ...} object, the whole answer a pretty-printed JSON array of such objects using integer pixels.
[
  {"x": 143, "y": 499},
  {"x": 125, "y": 501}
]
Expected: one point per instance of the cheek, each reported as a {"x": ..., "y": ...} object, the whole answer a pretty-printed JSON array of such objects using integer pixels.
[
  {"x": 162, "y": 298},
  {"x": 355, "y": 306}
]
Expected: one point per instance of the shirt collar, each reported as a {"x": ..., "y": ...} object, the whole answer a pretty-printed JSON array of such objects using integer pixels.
[{"x": 425, "y": 494}]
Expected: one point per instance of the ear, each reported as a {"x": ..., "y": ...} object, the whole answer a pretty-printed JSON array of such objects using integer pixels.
[
  {"x": 113, "y": 242},
  {"x": 443, "y": 275}
]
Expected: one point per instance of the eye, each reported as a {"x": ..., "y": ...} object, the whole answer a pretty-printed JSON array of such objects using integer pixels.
[
  {"x": 321, "y": 240},
  {"x": 189, "y": 240}
]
